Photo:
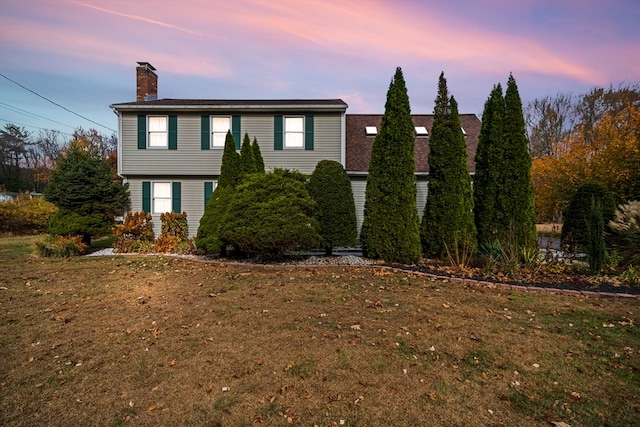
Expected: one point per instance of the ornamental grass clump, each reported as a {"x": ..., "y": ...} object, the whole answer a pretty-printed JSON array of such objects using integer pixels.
[
  {"x": 625, "y": 233},
  {"x": 61, "y": 246}
]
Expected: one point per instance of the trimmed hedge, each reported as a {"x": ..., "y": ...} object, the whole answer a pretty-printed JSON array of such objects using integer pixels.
[{"x": 330, "y": 187}]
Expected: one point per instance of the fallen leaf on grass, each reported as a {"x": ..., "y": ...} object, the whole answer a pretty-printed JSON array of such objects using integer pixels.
[
  {"x": 173, "y": 362},
  {"x": 626, "y": 321},
  {"x": 560, "y": 424}
]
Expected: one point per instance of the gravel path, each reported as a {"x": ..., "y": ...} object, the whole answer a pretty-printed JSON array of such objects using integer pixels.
[{"x": 311, "y": 260}]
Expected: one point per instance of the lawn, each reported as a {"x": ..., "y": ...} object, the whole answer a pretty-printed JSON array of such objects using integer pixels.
[{"x": 163, "y": 341}]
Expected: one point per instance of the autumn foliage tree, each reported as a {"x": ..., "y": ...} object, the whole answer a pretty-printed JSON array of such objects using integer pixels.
[{"x": 612, "y": 157}]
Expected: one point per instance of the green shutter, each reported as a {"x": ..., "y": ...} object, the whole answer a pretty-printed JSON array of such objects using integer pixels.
[
  {"x": 146, "y": 196},
  {"x": 173, "y": 132},
  {"x": 208, "y": 189},
  {"x": 176, "y": 195},
  {"x": 142, "y": 132},
  {"x": 235, "y": 130},
  {"x": 308, "y": 133},
  {"x": 205, "y": 133},
  {"x": 277, "y": 133}
]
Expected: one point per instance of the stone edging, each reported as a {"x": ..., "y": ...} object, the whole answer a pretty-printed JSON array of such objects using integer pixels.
[{"x": 472, "y": 282}]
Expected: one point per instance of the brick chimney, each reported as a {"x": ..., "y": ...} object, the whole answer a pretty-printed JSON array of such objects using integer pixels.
[{"x": 146, "y": 82}]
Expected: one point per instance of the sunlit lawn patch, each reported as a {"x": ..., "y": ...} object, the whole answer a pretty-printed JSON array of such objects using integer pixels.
[{"x": 150, "y": 340}]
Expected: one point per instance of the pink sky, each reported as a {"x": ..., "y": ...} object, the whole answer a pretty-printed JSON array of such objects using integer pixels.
[{"x": 82, "y": 54}]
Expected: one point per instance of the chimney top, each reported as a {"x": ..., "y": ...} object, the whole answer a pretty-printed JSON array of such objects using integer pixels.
[
  {"x": 146, "y": 65},
  {"x": 146, "y": 82}
]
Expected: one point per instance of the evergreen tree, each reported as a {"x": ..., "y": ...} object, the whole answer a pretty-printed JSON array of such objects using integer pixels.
[
  {"x": 208, "y": 236},
  {"x": 247, "y": 162},
  {"x": 576, "y": 217},
  {"x": 596, "y": 250},
  {"x": 391, "y": 229},
  {"x": 257, "y": 156},
  {"x": 86, "y": 194},
  {"x": 447, "y": 225},
  {"x": 230, "y": 172},
  {"x": 489, "y": 162},
  {"x": 518, "y": 205},
  {"x": 330, "y": 187}
]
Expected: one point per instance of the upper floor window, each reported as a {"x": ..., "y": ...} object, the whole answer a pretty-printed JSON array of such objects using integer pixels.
[
  {"x": 158, "y": 131},
  {"x": 371, "y": 130},
  {"x": 294, "y": 132},
  {"x": 219, "y": 128}
]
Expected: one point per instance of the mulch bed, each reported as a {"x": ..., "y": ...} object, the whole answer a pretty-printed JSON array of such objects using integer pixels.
[{"x": 546, "y": 280}]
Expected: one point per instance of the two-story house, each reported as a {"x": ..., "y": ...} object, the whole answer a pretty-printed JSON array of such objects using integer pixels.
[{"x": 170, "y": 150}]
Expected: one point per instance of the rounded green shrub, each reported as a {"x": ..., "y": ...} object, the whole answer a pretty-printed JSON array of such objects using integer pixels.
[
  {"x": 269, "y": 215},
  {"x": 330, "y": 187}
]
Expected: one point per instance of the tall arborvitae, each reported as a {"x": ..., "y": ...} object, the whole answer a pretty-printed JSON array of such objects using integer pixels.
[
  {"x": 489, "y": 163},
  {"x": 519, "y": 204},
  {"x": 391, "y": 229},
  {"x": 447, "y": 224},
  {"x": 247, "y": 161},
  {"x": 257, "y": 156},
  {"x": 208, "y": 236},
  {"x": 230, "y": 173}
]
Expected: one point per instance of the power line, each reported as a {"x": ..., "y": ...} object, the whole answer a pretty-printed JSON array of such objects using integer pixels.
[
  {"x": 56, "y": 104},
  {"x": 34, "y": 127},
  {"x": 28, "y": 113}
]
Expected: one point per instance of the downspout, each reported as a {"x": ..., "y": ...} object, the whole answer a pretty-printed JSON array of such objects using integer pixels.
[{"x": 343, "y": 141}]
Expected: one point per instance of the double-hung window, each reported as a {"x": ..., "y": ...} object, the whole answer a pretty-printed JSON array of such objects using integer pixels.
[
  {"x": 161, "y": 194},
  {"x": 294, "y": 132},
  {"x": 158, "y": 132},
  {"x": 219, "y": 128}
]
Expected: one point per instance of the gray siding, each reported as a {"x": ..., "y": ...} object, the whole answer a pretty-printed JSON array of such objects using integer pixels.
[
  {"x": 190, "y": 159},
  {"x": 192, "y": 201},
  {"x": 421, "y": 198},
  {"x": 359, "y": 187}
]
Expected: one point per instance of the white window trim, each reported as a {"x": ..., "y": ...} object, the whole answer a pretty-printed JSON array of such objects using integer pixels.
[
  {"x": 371, "y": 130},
  {"x": 213, "y": 132},
  {"x": 285, "y": 133},
  {"x": 155, "y": 132},
  {"x": 166, "y": 198}
]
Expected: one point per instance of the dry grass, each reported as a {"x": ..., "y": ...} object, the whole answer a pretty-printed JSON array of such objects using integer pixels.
[{"x": 160, "y": 341}]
